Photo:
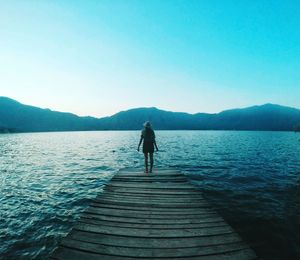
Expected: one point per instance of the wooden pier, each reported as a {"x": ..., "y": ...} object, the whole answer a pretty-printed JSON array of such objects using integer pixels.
[{"x": 159, "y": 216}]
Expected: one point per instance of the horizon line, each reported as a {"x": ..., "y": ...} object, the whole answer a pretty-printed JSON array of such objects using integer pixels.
[{"x": 151, "y": 107}]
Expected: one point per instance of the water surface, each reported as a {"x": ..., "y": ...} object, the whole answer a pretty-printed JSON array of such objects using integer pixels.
[{"x": 48, "y": 179}]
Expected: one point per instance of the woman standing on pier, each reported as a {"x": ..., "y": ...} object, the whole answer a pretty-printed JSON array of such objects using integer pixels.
[{"x": 148, "y": 136}]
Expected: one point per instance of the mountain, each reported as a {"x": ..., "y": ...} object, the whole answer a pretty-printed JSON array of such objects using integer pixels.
[
  {"x": 266, "y": 117},
  {"x": 134, "y": 118},
  {"x": 17, "y": 117}
]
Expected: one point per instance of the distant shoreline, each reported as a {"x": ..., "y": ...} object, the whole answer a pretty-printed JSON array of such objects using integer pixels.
[{"x": 135, "y": 130}]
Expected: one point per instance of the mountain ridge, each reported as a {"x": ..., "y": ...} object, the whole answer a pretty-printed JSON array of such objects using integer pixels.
[{"x": 17, "y": 117}]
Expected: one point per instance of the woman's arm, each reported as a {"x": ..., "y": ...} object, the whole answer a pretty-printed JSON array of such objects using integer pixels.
[
  {"x": 140, "y": 143},
  {"x": 155, "y": 145},
  {"x": 154, "y": 141}
]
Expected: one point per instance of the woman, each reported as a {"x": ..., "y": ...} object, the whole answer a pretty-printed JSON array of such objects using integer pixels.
[{"x": 148, "y": 145}]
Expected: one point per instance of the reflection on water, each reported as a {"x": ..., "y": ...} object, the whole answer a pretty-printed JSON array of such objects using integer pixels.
[{"x": 47, "y": 179}]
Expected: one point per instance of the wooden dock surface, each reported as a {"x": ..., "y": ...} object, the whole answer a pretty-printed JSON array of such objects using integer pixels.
[{"x": 160, "y": 216}]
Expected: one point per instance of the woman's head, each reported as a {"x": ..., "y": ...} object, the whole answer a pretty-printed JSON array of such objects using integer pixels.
[{"x": 147, "y": 124}]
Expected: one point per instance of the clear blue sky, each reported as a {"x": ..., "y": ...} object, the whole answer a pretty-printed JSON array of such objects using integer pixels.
[{"x": 100, "y": 57}]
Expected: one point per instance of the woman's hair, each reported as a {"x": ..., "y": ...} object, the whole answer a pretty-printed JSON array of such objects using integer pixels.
[
  {"x": 147, "y": 124},
  {"x": 148, "y": 134}
]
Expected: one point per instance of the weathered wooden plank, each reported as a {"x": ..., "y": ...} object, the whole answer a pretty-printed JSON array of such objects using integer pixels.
[
  {"x": 146, "y": 181},
  {"x": 154, "y": 198},
  {"x": 159, "y": 215},
  {"x": 135, "y": 232},
  {"x": 153, "y": 193},
  {"x": 151, "y": 186},
  {"x": 138, "y": 169},
  {"x": 188, "y": 192},
  {"x": 153, "y": 252},
  {"x": 147, "y": 209},
  {"x": 171, "y": 221},
  {"x": 141, "y": 242},
  {"x": 66, "y": 253},
  {"x": 153, "y": 204},
  {"x": 151, "y": 226},
  {"x": 155, "y": 171},
  {"x": 153, "y": 175}
]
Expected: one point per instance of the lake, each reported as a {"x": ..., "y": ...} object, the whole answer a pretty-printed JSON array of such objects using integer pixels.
[{"x": 48, "y": 179}]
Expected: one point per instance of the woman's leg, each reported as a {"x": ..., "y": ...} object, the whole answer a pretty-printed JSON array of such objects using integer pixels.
[
  {"x": 146, "y": 162},
  {"x": 151, "y": 161}
]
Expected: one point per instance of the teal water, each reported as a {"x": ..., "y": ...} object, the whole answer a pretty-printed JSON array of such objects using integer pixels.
[{"x": 48, "y": 179}]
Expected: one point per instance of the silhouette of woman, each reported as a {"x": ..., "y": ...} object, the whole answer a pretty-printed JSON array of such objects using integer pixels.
[{"x": 148, "y": 136}]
